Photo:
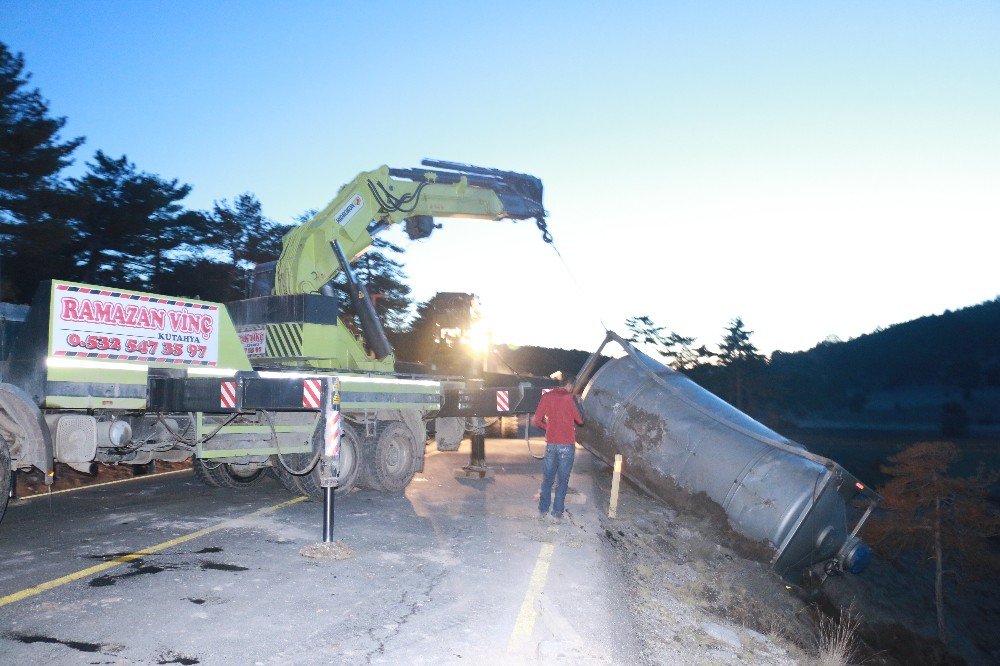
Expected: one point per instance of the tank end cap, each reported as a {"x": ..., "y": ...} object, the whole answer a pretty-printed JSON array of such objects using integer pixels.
[{"x": 859, "y": 558}]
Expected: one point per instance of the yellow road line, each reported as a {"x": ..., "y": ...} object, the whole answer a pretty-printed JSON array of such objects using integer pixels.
[
  {"x": 525, "y": 623},
  {"x": 104, "y": 566},
  {"x": 98, "y": 485}
]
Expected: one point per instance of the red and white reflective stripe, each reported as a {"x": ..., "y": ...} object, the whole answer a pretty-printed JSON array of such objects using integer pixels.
[
  {"x": 334, "y": 426},
  {"x": 334, "y": 430},
  {"x": 227, "y": 392},
  {"x": 312, "y": 392},
  {"x": 503, "y": 401}
]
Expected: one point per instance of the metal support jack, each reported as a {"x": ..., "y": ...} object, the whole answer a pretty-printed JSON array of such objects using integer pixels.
[
  {"x": 328, "y": 513},
  {"x": 329, "y": 462},
  {"x": 476, "y": 469}
]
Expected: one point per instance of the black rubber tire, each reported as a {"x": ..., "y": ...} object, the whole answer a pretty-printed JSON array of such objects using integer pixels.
[
  {"x": 4, "y": 476},
  {"x": 366, "y": 475},
  {"x": 204, "y": 473},
  {"x": 295, "y": 461},
  {"x": 393, "y": 461},
  {"x": 309, "y": 484},
  {"x": 224, "y": 475},
  {"x": 233, "y": 477}
]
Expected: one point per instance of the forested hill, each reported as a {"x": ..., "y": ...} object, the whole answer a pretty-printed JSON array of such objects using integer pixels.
[
  {"x": 539, "y": 361},
  {"x": 958, "y": 349}
]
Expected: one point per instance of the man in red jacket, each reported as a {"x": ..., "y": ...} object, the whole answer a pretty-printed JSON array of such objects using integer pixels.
[{"x": 558, "y": 416}]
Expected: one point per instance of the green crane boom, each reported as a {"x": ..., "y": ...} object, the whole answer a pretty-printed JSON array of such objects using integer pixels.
[{"x": 377, "y": 199}]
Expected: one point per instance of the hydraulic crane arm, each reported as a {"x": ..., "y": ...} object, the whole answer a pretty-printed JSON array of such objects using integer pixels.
[{"x": 377, "y": 199}]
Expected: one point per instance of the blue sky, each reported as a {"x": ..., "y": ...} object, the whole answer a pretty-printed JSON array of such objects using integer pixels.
[{"x": 815, "y": 168}]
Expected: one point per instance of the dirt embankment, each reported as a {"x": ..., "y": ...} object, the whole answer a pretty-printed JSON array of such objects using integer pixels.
[{"x": 697, "y": 601}]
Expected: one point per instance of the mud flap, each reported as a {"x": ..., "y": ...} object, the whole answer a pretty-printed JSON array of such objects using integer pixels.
[{"x": 24, "y": 427}]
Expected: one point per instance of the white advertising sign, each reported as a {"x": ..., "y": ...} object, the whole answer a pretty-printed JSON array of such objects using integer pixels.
[
  {"x": 254, "y": 341},
  {"x": 94, "y": 323}
]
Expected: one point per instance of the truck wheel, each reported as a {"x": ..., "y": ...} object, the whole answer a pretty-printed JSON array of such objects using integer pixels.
[
  {"x": 366, "y": 473},
  {"x": 392, "y": 464},
  {"x": 4, "y": 475},
  {"x": 239, "y": 478},
  {"x": 295, "y": 461},
  {"x": 309, "y": 484},
  {"x": 204, "y": 473},
  {"x": 224, "y": 475}
]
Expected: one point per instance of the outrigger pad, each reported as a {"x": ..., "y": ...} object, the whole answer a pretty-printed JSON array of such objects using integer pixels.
[
  {"x": 474, "y": 473},
  {"x": 336, "y": 550}
]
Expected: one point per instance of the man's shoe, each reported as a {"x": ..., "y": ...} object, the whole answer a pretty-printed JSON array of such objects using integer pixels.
[{"x": 557, "y": 517}]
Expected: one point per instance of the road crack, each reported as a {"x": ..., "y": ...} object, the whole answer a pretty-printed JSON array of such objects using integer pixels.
[{"x": 412, "y": 609}]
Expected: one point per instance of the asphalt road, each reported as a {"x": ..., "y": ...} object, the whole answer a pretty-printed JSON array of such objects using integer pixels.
[{"x": 453, "y": 572}]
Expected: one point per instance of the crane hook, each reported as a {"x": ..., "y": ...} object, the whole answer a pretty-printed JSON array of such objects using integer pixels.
[{"x": 544, "y": 228}]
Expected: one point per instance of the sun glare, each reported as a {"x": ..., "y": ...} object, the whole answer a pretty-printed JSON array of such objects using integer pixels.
[{"x": 478, "y": 337}]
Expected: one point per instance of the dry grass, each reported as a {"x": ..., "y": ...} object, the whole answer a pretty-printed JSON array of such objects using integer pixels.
[{"x": 837, "y": 642}]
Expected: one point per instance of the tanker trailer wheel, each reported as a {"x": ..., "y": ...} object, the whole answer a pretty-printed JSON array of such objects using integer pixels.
[
  {"x": 508, "y": 427},
  {"x": 4, "y": 475},
  {"x": 224, "y": 475},
  {"x": 502, "y": 427},
  {"x": 393, "y": 460},
  {"x": 309, "y": 484},
  {"x": 448, "y": 433}
]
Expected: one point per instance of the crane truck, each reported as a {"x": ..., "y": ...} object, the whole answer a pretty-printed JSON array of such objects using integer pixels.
[{"x": 273, "y": 383}]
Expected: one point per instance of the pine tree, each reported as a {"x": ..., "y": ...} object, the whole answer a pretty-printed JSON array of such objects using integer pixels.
[
  {"x": 740, "y": 357},
  {"x": 948, "y": 519},
  {"x": 385, "y": 280},
  {"x": 669, "y": 344},
  {"x": 736, "y": 346},
  {"x": 383, "y": 276},
  {"x": 129, "y": 225},
  {"x": 241, "y": 236},
  {"x": 31, "y": 151},
  {"x": 645, "y": 332},
  {"x": 243, "y": 232},
  {"x": 34, "y": 241}
]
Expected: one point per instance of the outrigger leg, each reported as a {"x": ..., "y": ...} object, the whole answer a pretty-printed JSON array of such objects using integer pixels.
[{"x": 476, "y": 469}]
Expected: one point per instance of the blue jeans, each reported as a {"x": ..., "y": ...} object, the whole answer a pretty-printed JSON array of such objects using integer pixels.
[{"x": 558, "y": 462}]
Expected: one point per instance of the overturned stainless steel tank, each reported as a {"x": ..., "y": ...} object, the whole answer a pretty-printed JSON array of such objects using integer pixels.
[{"x": 676, "y": 436}]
